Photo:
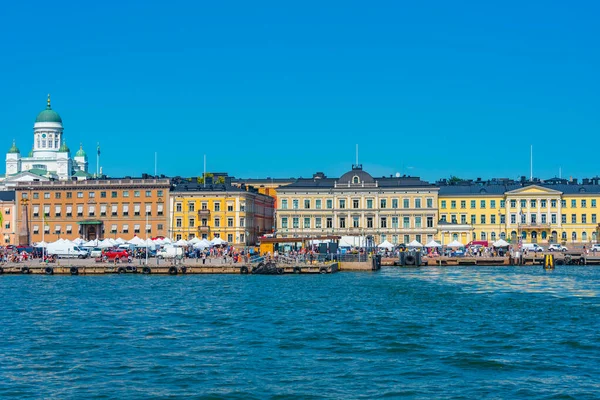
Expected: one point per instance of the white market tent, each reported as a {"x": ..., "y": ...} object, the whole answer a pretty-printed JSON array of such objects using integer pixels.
[
  {"x": 351, "y": 241},
  {"x": 205, "y": 243},
  {"x": 79, "y": 241},
  {"x": 120, "y": 241},
  {"x": 136, "y": 241},
  {"x": 217, "y": 241},
  {"x": 167, "y": 241},
  {"x": 201, "y": 245},
  {"x": 41, "y": 244},
  {"x": 455, "y": 243},
  {"x": 415, "y": 243},
  {"x": 433, "y": 243},
  {"x": 91, "y": 243},
  {"x": 147, "y": 243},
  {"x": 194, "y": 240},
  {"x": 181, "y": 242},
  {"x": 386, "y": 245},
  {"x": 105, "y": 244},
  {"x": 158, "y": 241},
  {"x": 500, "y": 243}
]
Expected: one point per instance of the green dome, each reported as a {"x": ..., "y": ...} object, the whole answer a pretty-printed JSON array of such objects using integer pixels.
[
  {"x": 48, "y": 115},
  {"x": 80, "y": 152},
  {"x": 63, "y": 147},
  {"x": 14, "y": 149}
]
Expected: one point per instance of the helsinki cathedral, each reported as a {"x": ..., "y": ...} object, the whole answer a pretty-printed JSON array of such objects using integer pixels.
[{"x": 49, "y": 158}]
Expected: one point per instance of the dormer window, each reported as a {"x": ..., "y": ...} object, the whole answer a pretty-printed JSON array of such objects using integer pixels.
[{"x": 355, "y": 179}]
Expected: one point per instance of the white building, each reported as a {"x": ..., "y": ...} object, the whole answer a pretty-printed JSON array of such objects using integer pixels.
[{"x": 49, "y": 158}]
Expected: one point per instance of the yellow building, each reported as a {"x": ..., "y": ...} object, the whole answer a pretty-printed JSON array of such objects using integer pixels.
[
  {"x": 556, "y": 211},
  {"x": 234, "y": 214}
]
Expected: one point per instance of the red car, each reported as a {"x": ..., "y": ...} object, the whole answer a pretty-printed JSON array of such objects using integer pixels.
[{"x": 119, "y": 254}]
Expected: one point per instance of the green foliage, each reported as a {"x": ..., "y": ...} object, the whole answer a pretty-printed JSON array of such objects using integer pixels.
[
  {"x": 220, "y": 180},
  {"x": 454, "y": 179}
]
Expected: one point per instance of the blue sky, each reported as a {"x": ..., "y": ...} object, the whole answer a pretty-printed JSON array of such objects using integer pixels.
[{"x": 428, "y": 88}]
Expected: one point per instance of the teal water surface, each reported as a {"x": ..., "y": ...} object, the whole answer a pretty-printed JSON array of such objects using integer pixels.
[{"x": 485, "y": 332}]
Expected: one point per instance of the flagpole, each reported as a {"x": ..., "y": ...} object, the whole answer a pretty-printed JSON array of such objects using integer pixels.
[{"x": 98, "y": 161}]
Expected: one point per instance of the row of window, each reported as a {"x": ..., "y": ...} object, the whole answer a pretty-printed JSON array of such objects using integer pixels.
[
  {"x": 355, "y": 222},
  {"x": 113, "y": 229},
  {"x": 242, "y": 237},
  {"x": 104, "y": 210},
  {"x": 513, "y": 203},
  {"x": 355, "y": 203},
  {"x": 191, "y": 207},
  {"x": 204, "y": 222},
  {"x": 523, "y": 219},
  {"x": 92, "y": 195}
]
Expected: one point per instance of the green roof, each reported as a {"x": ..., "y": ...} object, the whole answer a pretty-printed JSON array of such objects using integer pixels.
[
  {"x": 63, "y": 147},
  {"x": 48, "y": 115},
  {"x": 81, "y": 173},
  {"x": 38, "y": 171},
  {"x": 80, "y": 152},
  {"x": 14, "y": 149}
]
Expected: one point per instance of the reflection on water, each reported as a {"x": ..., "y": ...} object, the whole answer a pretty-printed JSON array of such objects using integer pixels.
[{"x": 558, "y": 283}]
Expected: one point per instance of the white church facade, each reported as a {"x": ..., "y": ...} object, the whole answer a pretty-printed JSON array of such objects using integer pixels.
[{"x": 49, "y": 158}]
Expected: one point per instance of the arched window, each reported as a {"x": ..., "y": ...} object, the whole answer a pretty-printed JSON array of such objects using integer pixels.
[
  {"x": 483, "y": 236},
  {"x": 493, "y": 235},
  {"x": 355, "y": 179},
  {"x": 563, "y": 236},
  {"x": 594, "y": 236},
  {"x": 474, "y": 236},
  {"x": 455, "y": 236},
  {"x": 574, "y": 236},
  {"x": 502, "y": 235},
  {"x": 513, "y": 236},
  {"x": 544, "y": 235},
  {"x": 584, "y": 236},
  {"x": 534, "y": 235},
  {"x": 524, "y": 235},
  {"x": 554, "y": 236}
]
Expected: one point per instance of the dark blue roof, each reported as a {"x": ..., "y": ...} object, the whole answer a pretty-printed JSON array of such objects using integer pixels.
[
  {"x": 7, "y": 195},
  {"x": 496, "y": 189}
]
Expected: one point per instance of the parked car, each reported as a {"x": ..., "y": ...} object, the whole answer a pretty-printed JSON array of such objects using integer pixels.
[
  {"x": 66, "y": 250},
  {"x": 532, "y": 247},
  {"x": 595, "y": 247},
  {"x": 557, "y": 247},
  {"x": 170, "y": 252},
  {"x": 115, "y": 253},
  {"x": 96, "y": 252}
]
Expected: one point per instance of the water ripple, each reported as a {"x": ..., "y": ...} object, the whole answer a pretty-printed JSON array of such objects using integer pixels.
[{"x": 420, "y": 333}]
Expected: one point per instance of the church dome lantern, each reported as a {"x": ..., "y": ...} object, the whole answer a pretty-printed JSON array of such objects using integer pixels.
[
  {"x": 80, "y": 152},
  {"x": 48, "y": 115},
  {"x": 64, "y": 148},
  {"x": 14, "y": 149}
]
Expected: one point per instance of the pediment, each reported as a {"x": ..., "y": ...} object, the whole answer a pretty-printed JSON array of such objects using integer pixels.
[{"x": 533, "y": 190}]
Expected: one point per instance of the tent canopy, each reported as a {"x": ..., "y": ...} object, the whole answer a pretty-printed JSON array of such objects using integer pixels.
[
  {"x": 218, "y": 241},
  {"x": 433, "y": 243},
  {"x": 386, "y": 245},
  {"x": 500, "y": 243},
  {"x": 455, "y": 243},
  {"x": 415, "y": 243}
]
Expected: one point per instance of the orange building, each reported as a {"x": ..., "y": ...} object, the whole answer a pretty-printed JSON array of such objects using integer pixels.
[
  {"x": 91, "y": 209},
  {"x": 7, "y": 217}
]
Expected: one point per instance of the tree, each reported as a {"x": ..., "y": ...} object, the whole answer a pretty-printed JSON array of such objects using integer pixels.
[
  {"x": 220, "y": 180},
  {"x": 454, "y": 179},
  {"x": 208, "y": 175}
]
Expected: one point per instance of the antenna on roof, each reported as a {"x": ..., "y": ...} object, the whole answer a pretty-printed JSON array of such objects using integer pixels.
[{"x": 204, "y": 180}]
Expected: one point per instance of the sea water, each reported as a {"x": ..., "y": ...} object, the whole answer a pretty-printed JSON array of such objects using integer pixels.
[{"x": 452, "y": 332}]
